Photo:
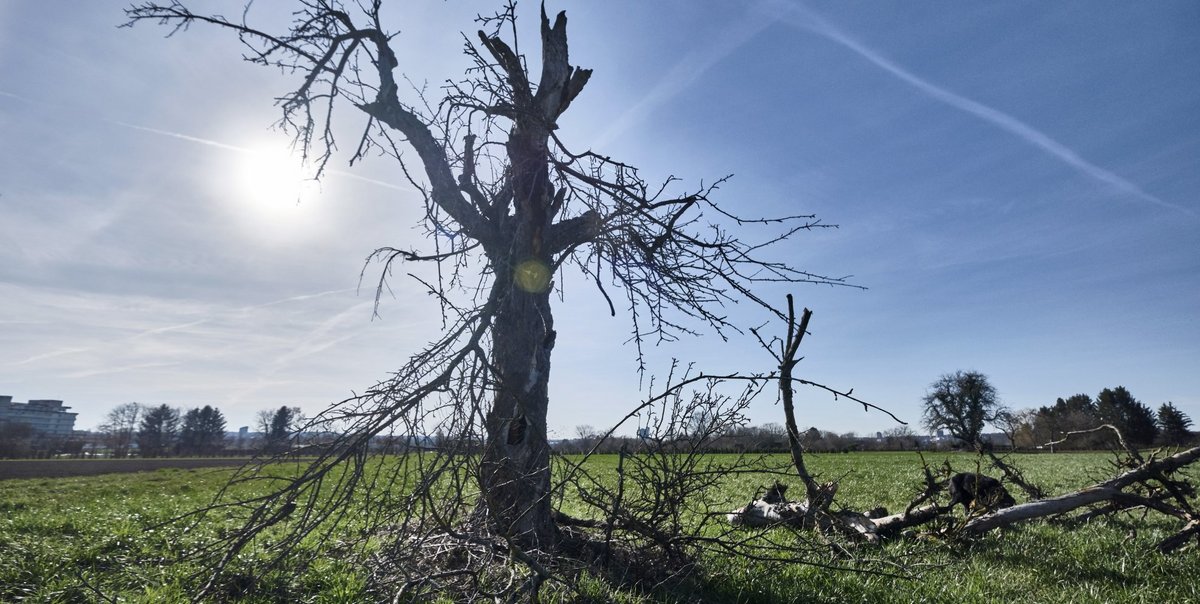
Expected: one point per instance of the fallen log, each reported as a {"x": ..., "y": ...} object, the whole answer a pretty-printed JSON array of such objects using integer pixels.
[
  {"x": 1104, "y": 491},
  {"x": 891, "y": 525},
  {"x": 764, "y": 513}
]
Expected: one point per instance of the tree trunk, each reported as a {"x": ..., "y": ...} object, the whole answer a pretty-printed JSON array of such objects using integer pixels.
[{"x": 515, "y": 469}]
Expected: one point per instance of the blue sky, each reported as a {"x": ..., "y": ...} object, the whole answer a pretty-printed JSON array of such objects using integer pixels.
[{"x": 1015, "y": 184}]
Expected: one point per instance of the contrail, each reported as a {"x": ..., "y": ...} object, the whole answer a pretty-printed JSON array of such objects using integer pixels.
[
  {"x": 107, "y": 370},
  {"x": 193, "y": 139},
  {"x": 684, "y": 73},
  {"x": 157, "y": 330},
  {"x": 380, "y": 183},
  {"x": 50, "y": 355},
  {"x": 16, "y": 96},
  {"x": 301, "y": 297},
  {"x": 803, "y": 18},
  {"x": 227, "y": 147},
  {"x": 168, "y": 328},
  {"x": 316, "y": 340}
]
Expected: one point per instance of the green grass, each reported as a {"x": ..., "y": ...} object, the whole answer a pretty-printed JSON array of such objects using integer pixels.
[{"x": 60, "y": 538}]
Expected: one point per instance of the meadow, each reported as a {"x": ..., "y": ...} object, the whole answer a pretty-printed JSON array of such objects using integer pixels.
[{"x": 93, "y": 539}]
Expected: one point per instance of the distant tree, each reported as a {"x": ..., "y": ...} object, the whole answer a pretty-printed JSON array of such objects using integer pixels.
[
  {"x": 1173, "y": 425},
  {"x": 810, "y": 436},
  {"x": 899, "y": 438},
  {"x": 15, "y": 439},
  {"x": 262, "y": 421},
  {"x": 120, "y": 428},
  {"x": 1074, "y": 413},
  {"x": 284, "y": 421},
  {"x": 1022, "y": 425},
  {"x": 203, "y": 431},
  {"x": 158, "y": 431},
  {"x": 961, "y": 403},
  {"x": 1135, "y": 420}
]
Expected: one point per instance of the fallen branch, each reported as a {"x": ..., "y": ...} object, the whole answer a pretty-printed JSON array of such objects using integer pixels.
[
  {"x": 1104, "y": 491},
  {"x": 1176, "y": 541}
]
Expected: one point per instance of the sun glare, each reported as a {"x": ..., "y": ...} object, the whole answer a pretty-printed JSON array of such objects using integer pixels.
[{"x": 275, "y": 192}]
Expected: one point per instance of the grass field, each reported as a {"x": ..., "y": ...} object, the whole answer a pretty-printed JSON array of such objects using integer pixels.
[
  {"x": 61, "y": 468},
  {"x": 63, "y": 539}
]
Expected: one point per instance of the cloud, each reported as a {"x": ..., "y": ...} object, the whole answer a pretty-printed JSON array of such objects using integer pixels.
[{"x": 799, "y": 16}]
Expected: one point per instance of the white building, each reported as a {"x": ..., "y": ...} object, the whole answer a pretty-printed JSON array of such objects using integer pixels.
[{"x": 45, "y": 416}]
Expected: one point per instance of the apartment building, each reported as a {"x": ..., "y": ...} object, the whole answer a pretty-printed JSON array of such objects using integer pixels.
[{"x": 45, "y": 416}]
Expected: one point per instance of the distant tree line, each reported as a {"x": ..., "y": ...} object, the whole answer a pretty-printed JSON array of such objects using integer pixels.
[
  {"x": 1141, "y": 425},
  {"x": 767, "y": 438},
  {"x": 20, "y": 440},
  {"x": 962, "y": 403},
  {"x": 162, "y": 431}
]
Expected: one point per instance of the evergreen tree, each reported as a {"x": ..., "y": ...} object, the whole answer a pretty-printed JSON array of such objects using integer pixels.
[
  {"x": 1079, "y": 403},
  {"x": 157, "y": 433},
  {"x": 1174, "y": 425},
  {"x": 1074, "y": 413},
  {"x": 282, "y": 424},
  {"x": 1135, "y": 420},
  {"x": 203, "y": 431}
]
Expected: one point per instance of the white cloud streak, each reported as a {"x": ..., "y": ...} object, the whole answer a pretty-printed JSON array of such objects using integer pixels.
[
  {"x": 317, "y": 340},
  {"x": 50, "y": 355},
  {"x": 108, "y": 370},
  {"x": 15, "y": 96},
  {"x": 800, "y": 17},
  {"x": 228, "y": 147},
  {"x": 191, "y": 139},
  {"x": 685, "y": 72},
  {"x": 300, "y": 298}
]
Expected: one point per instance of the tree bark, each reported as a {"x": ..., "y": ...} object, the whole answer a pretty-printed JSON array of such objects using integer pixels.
[{"x": 515, "y": 469}]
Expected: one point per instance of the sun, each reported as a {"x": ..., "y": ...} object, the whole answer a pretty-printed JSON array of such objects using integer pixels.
[
  {"x": 272, "y": 179},
  {"x": 274, "y": 191}
]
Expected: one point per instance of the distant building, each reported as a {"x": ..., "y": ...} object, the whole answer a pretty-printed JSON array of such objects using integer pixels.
[{"x": 48, "y": 417}]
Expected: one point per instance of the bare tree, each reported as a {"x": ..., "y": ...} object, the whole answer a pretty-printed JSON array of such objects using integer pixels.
[
  {"x": 263, "y": 419},
  {"x": 120, "y": 427},
  {"x": 508, "y": 206},
  {"x": 962, "y": 402}
]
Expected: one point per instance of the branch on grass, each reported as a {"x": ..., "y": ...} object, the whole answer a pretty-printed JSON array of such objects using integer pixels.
[{"x": 1104, "y": 491}]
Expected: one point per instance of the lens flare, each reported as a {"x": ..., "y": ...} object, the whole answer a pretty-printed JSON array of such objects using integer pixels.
[{"x": 532, "y": 276}]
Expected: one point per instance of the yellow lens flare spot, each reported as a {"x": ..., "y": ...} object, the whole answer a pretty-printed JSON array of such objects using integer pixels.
[{"x": 532, "y": 276}]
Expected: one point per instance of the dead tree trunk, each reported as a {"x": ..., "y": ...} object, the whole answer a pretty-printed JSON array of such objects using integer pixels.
[
  {"x": 818, "y": 497},
  {"x": 515, "y": 469},
  {"x": 505, "y": 210}
]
